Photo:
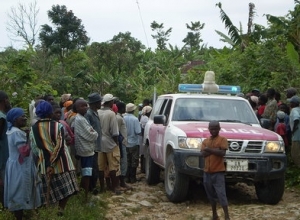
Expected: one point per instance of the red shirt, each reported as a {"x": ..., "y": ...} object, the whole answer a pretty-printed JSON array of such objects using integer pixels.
[
  {"x": 261, "y": 109},
  {"x": 281, "y": 130}
]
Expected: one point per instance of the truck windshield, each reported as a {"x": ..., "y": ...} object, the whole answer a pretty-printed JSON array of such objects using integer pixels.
[{"x": 226, "y": 110}]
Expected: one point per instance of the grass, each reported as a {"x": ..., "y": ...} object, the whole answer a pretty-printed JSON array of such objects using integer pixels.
[{"x": 76, "y": 209}]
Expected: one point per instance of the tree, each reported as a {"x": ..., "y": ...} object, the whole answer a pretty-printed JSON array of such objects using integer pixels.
[
  {"x": 67, "y": 34},
  {"x": 161, "y": 36},
  {"x": 236, "y": 36},
  {"x": 193, "y": 38},
  {"x": 21, "y": 80},
  {"x": 287, "y": 27},
  {"x": 22, "y": 23}
]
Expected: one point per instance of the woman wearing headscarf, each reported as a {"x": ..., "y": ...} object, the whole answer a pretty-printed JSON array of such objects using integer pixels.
[
  {"x": 54, "y": 161},
  {"x": 21, "y": 186}
]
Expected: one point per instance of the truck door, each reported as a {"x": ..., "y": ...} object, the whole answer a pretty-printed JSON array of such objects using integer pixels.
[{"x": 161, "y": 131}]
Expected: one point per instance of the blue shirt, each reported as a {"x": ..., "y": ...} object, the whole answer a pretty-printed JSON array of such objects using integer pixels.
[
  {"x": 133, "y": 130},
  {"x": 295, "y": 115}
]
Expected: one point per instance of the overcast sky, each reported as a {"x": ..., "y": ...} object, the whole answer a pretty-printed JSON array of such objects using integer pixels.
[{"x": 104, "y": 19}]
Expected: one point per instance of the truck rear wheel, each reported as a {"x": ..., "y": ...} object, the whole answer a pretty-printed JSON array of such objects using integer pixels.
[
  {"x": 271, "y": 191},
  {"x": 176, "y": 184},
  {"x": 152, "y": 170}
]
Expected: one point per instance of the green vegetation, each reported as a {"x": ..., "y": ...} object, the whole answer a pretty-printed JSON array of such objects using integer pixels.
[
  {"x": 292, "y": 177},
  {"x": 75, "y": 209},
  {"x": 65, "y": 61}
]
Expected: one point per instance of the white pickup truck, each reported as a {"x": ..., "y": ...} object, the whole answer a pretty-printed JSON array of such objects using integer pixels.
[{"x": 179, "y": 123}]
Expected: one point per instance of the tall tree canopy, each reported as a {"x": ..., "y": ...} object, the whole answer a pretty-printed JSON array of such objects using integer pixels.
[
  {"x": 161, "y": 35},
  {"x": 67, "y": 33}
]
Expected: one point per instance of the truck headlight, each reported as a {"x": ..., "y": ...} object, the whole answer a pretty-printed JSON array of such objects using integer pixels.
[
  {"x": 191, "y": 143},
  {"x": 274, "y": 147}
]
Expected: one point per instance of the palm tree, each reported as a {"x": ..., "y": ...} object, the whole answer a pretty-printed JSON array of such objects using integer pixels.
[{"x": 236, "y": 36}]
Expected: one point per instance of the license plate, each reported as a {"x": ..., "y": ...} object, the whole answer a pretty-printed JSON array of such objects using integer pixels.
[{"x": 236, "y": 165}]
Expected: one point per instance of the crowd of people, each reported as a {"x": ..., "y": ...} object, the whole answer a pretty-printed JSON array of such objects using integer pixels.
[
  {"x": 99, "y": 141},
  {"x": 279, "y": 116},
  {"x": 95, "y": 141}
]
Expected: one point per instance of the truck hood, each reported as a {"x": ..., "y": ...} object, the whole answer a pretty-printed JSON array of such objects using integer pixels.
[{"x": 228, "y": 130}]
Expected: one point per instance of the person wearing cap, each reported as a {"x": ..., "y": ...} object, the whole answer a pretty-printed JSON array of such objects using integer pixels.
[
  {"x": 94, "y": 100},
  {"x": 110, "y": 152},
  {"x": 281, "y": 128},
  {"x": 255, "y": 92},
  {"x": 294, "y": 124},
  {"x": 290, "y": 92},
  {"x": 270, "y": 109},
  {"x": 85, "y": 138},
  {"x": 146, "y": 111},
  {"x": 64, "y": 98},
  {"x": 122, "y": 142},
  {"x": 132, "y": 147}
]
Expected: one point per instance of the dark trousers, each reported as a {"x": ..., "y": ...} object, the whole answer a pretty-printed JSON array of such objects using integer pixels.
[
  {"x": 133, "y": 156},
  {"x": 214, "y": 184},
  {"x": 95, "y": 172}
]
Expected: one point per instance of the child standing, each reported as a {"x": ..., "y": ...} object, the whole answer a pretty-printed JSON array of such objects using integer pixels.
[
  {"x": 213, "y": 150},
  {"x": 280, "y": 127}
]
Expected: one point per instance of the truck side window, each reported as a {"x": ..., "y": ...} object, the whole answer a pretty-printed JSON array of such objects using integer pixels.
[
  {"x": 168, "y": 109},
  {"x": 163, "y": 106},
  {"x": 156, "y": 108}
]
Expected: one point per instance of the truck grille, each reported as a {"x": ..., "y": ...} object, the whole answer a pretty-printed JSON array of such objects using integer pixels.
[{"x": 240, "y": 146}]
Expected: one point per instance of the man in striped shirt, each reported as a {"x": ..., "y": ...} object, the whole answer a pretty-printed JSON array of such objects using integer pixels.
[{"x": 85, "y": 137}]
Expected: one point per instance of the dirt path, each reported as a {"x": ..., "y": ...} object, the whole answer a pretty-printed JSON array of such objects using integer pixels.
[{"x": 149, "y": 202}]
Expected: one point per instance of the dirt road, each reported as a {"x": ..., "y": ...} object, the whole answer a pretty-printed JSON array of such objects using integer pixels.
[{"x": 150, "y": 202}]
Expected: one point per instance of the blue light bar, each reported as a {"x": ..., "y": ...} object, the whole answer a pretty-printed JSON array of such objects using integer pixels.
[
  {"x": 229, "y": 89},
  {"x": 223, "y": 89},
  {"x": 190, "y": 87}
]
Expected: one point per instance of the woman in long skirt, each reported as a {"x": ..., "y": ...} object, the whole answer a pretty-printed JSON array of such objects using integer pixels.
[{"x": 55, "y": 163}]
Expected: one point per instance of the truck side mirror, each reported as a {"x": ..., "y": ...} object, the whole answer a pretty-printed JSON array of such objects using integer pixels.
[{"x": 159, "y": 119}]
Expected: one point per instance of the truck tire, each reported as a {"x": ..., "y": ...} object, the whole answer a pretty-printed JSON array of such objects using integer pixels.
[
  {"x": 176, "y": 184},
  {"x": 152, "y": 170},
  {"x": 271, "y": 191}
]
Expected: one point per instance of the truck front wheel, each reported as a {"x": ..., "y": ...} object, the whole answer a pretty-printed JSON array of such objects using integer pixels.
[
  {"x": 152, "y": 170},
  {"x": 176, "y": 184},
  {"x": 271, "y": 191}
]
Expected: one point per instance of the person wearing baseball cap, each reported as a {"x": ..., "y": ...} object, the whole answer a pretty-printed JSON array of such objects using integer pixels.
[
  {"x": 110, "y": 151},
  {"x": 94, "y": 101},
  {"x": 133, "y": 144},
  {"x": 290, "y": 92},
  {"x": 294, "y": 124}
]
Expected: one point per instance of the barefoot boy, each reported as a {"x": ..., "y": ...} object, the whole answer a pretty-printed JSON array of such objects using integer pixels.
[{"x": 214, "y": 149}]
